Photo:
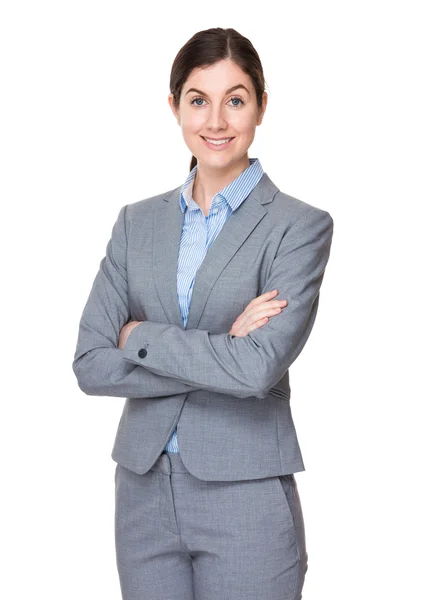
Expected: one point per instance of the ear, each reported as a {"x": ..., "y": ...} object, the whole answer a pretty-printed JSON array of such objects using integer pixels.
[
  {"x": 175, "y": 110},
  {"x": 263, "y": 108}
]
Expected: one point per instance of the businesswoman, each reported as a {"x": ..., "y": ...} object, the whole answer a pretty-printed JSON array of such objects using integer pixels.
[{"x": 205, "y": 297}]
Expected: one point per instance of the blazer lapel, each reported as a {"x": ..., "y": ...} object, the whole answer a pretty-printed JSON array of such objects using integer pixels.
[{"x": 167, "y": 232}]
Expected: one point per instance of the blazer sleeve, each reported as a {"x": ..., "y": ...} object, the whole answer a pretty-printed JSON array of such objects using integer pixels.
[
  {"x": 98, "y": 363},
  {"x": 250, "y": 365}
]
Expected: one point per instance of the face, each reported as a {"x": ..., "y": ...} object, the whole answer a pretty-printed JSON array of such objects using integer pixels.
[{"x": 219, "y": 101}]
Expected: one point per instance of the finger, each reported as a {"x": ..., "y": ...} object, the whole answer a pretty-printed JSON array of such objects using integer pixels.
[
  {"x": 258, "y": 324},
  {"x": 258, "y": 312},
  {"x": 264, "y": 297},
  {"x": 247, "y": 326}
]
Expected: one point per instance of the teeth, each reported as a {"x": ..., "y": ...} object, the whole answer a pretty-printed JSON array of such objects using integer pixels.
[{"x": 218, "y": 142}]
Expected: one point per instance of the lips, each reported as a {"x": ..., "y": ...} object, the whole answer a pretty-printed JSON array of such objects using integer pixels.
[
  {"x": 218, "y": 147},
  {"x": 218, "y": 139}
]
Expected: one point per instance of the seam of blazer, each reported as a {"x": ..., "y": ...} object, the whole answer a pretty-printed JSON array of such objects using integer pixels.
[
  {"x": 282, "y": 238},
  {"x": 278, "y": 440},
  {"x": 125, "y": 208}
]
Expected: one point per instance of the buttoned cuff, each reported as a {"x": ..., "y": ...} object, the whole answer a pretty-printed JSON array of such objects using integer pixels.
[{"x": 140, "y": 339}]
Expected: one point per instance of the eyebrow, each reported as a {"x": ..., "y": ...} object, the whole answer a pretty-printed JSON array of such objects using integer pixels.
[{"x": 228, "y": 91}]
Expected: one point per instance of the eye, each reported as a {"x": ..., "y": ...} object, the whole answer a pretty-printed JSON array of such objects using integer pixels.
[
  {"x": 194, "y": 100},
  {"x": 239, "y": 99}
]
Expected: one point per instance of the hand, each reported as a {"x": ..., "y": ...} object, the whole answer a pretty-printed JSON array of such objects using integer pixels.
[
  {"x": 257, "y": 314},
  {"x": 125, "y": 331}
]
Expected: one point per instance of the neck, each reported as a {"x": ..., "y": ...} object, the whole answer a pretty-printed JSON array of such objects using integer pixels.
[{"x": 209, "y": 181}]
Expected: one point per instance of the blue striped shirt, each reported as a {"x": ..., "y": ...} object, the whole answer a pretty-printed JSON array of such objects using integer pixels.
[{"x": 200, "y": 231}]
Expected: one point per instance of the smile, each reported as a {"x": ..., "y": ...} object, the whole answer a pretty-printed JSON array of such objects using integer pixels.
[{"x": 217, "y": 144}]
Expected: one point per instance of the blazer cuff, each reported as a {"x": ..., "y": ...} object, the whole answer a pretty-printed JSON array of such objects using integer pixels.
[{"x": 137, "y": 342}]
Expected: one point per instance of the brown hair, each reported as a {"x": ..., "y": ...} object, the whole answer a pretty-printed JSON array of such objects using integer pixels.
[{"x": 209, "y": 46}]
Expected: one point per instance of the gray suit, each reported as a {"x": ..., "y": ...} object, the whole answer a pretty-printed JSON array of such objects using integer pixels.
[
  {"x": 231, "y": 394},
  {"x": 221, "y": 518}
]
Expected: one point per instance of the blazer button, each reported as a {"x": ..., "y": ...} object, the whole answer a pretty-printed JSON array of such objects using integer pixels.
[{"x": 142, "y": 352}]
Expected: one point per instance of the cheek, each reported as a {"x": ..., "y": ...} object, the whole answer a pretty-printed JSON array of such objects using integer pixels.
[
  {"x": 245, "y": 126},
  {"x": 191, "y": 137},
  {"x": 192, "y": 124},
  {"x": 189, "y": 132}
]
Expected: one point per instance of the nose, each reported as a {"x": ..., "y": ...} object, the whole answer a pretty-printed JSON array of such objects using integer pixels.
[{"x": 215, "y": 119}]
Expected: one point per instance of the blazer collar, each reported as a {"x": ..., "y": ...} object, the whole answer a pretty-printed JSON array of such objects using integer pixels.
[{"x": 168, "y": 222}]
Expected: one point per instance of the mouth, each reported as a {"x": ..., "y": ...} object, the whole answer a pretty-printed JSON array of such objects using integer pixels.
[{"x": 218, "y": 144}]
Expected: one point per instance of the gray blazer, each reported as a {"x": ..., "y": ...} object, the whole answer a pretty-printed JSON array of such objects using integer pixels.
[{"x": 230, "y": 394}]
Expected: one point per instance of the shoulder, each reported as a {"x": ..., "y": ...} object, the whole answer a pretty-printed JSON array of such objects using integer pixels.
[
  {"x": 139, "y": 214},
  {"x": 296, "y": 210},
  {"x": 144, "y": 207},
  {"x": 284, "y": 207}
]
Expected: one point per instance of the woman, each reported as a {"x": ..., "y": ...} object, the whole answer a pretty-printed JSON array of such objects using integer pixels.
[{"x": 205, "y": 297}]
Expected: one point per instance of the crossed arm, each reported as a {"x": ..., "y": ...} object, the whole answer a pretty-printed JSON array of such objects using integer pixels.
[{"x": 161, "y": 359}]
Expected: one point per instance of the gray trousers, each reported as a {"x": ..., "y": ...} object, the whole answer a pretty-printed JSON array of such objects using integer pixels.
[{"x": 178, "y": 537}]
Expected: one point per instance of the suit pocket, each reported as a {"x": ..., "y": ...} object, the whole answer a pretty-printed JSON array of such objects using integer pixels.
[{"x": 288, "y": 488}]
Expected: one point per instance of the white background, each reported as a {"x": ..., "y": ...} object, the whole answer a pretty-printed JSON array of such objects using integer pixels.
[{"x": 351, "y": 127}]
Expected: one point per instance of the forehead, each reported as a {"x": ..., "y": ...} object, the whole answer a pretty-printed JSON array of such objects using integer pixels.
[{"x": 217, "y": 78}]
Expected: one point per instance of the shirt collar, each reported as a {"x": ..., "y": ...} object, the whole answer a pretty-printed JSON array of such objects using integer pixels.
[{"x": 234, "y": 193}]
